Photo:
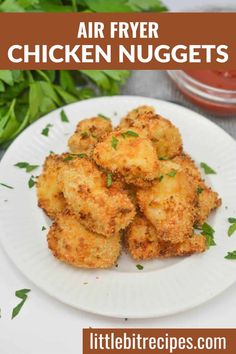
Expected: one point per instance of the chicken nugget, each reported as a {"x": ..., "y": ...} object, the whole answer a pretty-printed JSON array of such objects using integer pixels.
[
  {"x": 207, "y": 199},
  {"x": 142, "y": 242},
  {"x": 101, "y": 205},
  {"x": 164, "y": 135},
  {"x": 170, "y": 203},
  {"x": 50, "y": 196},
  {"x": 88, "y": 133},
  {"x": 128, "y": 154},
  {"x": 72, "y": 243}
]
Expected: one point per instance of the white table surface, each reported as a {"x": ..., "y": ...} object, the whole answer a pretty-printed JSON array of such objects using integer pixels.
[{"x": 46, "y": 326}]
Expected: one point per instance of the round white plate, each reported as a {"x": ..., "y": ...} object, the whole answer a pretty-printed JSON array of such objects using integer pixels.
[{"x": 164, "y": 286}]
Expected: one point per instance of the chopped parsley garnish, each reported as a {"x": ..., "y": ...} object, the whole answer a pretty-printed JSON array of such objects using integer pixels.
[
  {"x": 6, "y": 185},
  {"x": 26, "y": 166},
  {"x": 64, "y": 117},
  {"x": 199, "y": 190},
  {"x": 231, "y": 255},
  {"x": 172, "y": 173},
  {"x": 129, "y": 133},
  {"x": 31, "y": 182},
  {"x": 207, "y": 169},
  {"x": 139, "y": 266},
  {"x": 109, "y": 179},
  {"x": 51, "y": 152},
  {"x": 45, "y": 131},
  {"x": 114, "y": 142},
  {"x": 161, "y": 178},
  {"x": 21, "y": 294},
  {"x": 232, "y": 227},
  {"x": 208, "y": 232},
  {"x": 163, "y": 158},
  {"x": 73, "y": 156},
  {"x": 85, "y": 135},
  {"x": 104, "y": 117},
  {"x": 43, "y": 228}
]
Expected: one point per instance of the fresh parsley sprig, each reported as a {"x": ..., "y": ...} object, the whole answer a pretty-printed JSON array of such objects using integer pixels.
[
  {"x": 21, "y": 294},
  {"x": 231, "y": 255},
  {"x": 232, "y": 227},
  {"x": 25, "y": 165}
]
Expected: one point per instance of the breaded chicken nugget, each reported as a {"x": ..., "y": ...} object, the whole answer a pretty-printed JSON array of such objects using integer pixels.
[
  {"x": 128, "y": 154},
  {"x": 133, "y": 115},
  {"x": 164, "y": 135},
  {"x": 207, "y": 199},
  {"x": 102, "y": 209},
  {"x": 143, "y": 243},
  {"x": 50, "y": 196},
  {"x": 88, "y": 133},
  {"x": 71, "y": 243},
  {"x": 169, "y": 204}
]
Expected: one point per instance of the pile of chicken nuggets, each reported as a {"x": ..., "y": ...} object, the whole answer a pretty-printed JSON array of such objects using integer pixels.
[{"x": 132, "y": 186}]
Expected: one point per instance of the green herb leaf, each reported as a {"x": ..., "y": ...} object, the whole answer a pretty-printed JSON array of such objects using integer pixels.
[
  {"x": 45, "y": 131},
  {"x": 26, "y": 166},
  {"x": 6, "y": 185},
  {"x": 43, "y": 228},
  {"x": 73, "y": 156},
  {"x": 231, "y": 255},
  {"x": 161, "y": 178},
  {"x": 164, "y": 158},
  {"x": 64, "y": 117},
  {"x": 129, "y": 133},
  {"x": 109, "y": 179},
  {"x": 139, "y": 266},
  {"x": 232, "y": 220},
  {"x": 84, "y": 134},
  {"x": 207, "y": 169},
  {"x": 172, "y": 173},
  {"x": 208, "y": 232},
  {"x": 231, "y": 229},
  {"x": 104, "y": 117},
  {"x": 199, "y": 190},
  {"x": 114, "y": 142},
  {"x": 21, "y": 294},
  {"x": 31, "y": 182}
]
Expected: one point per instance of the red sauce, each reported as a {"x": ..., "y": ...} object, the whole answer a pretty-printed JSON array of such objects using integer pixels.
[
  {"x": 221, "y": 79},
  {"x": 218, "y": 79}
]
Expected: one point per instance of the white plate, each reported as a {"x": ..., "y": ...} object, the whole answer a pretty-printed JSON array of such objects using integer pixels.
[{"x": 162, "y": 287}]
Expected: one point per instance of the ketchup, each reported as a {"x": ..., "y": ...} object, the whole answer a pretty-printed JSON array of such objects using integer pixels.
[
  {"x": 225, "y": 80},
  {"x": 221, "y": 103}
]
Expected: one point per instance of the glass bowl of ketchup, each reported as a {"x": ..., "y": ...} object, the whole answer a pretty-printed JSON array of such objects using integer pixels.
[{"x": 214, "y": 91}]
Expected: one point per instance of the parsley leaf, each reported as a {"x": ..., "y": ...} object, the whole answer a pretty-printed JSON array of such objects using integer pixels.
[
  {"x": 84, "y": 134},
  {"x": 172, "y": 173},
  {"x": 129, "y": 133},
  {"x": 163, "y": 158},
  {"x": 207, "y": 169},
  {"x": 45, "y": 131},
  {"x": 231, "y": 255},
  {"x": 109, "y": 180},
  {"x": 232, "y": 220},
  {"x": 6, "y": 185},
  {"x": 43, "y": 228},
  {"x": 31, "y": 182},
  {"x": 104, "y": 117},
  {"x": 161, "y": 178},
  {"x": 114, "y": 142},
  {"x": 199, "y": 190},
  {"x": 232, "y": 229},
  {"x": 139, "y": 266},
  {"x": 64, "y": 117},
  {"x": 26, "y": 166},
  {"x": 73, "y": 156},
  {"x": 208, "y": 232},
  {"x": 21, "y": 294}
]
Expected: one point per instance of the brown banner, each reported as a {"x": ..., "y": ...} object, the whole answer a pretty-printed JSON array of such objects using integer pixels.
[
  {"x": 156, "y": 41},
  {"x": 159, "y": 340}
]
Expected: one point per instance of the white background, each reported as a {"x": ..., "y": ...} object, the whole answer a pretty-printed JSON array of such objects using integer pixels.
[{"x": 46, "y": 326}]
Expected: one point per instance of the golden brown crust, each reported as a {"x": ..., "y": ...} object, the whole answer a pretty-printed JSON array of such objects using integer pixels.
[
  {"x": 142, "y": 242},
  {"x": 207, "y": 199},
  {"x": 71, "y": 243},
  {"x": 101, "y": 209},
  {"x": 170, "y": 204},
  {"x": 50, "y": 196},
  {"x": 88, "y": 133},
  {"x": 131, "y": 157}
]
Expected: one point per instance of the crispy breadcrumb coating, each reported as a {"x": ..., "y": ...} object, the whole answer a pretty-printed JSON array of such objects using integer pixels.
[
  {"x": 164, "y": 135},
  {"x": 128, "y": 154},
  {"x": 101, "y": 209},
  {"x": 88, "y": 133},
  {"x": 71, "y": 243},
  {"x": 207, "y": 199},
  {"x": 143, "y": 243},
  {"x": 50, "y": 196},
  {"x": 169, "y": 204}
]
